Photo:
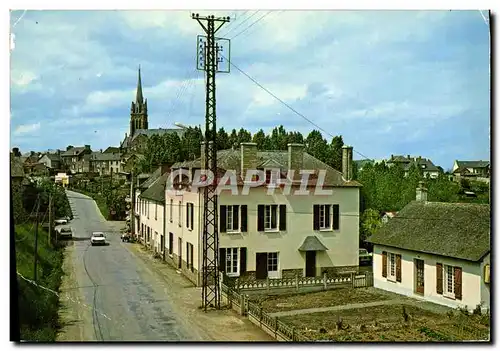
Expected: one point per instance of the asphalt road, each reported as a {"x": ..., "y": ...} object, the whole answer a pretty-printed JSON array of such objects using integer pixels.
[{"x": 126, "y": 300}]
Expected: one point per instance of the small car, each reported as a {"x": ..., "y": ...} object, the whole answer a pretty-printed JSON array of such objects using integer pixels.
[
  {"x": 64, "y": 232},
  {"x": 61, "y": 221},
  {"x": 98, "y": 238}
]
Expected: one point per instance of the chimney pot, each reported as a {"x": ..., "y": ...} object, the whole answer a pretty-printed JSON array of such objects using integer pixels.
[
  {"x": 248, "y": 154},
  {"x": 347, "y": 162}
]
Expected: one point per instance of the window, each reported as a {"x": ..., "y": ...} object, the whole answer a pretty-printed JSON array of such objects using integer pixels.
[
  {"x": 180, "y": 213},
  {"x": 156, "y": 211},
  {"x": 147, "y": 208},
  {"x": 326, "y": 217},
  {"x": 272, "y": 262},
  {"x": 392, "y": 266},
  {"x": 449, "y": 281},
  {"x": 232, "y": 261},
  {"x": 189, "y": 256},
  {"x": 190, "y": 215},
  {"x": 171, "y": 210},
  {"x": 233, "y": 218},
  {"x": 162, "y": 243},
  {"x": 170, "y": 243},
  {"x": 270, "y": 219}
]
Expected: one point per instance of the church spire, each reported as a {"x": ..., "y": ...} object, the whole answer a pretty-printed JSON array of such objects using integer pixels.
[{"x": 138, "y": 96}]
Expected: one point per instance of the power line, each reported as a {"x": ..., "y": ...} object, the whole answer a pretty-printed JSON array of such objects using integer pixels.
[
  {"x": 284, "y": 103},
  {"x": 233, "y": 22},
  {"x": 254, "y": 23},
  {"x": 241, "y": 23}
]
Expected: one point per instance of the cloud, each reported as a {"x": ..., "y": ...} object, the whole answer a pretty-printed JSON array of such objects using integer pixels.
[
  {"x": 27, "y": 128},
  {"x": 387, "y": 81}
]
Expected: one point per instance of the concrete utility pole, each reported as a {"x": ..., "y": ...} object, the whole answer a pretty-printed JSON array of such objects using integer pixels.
[
  {"x": 36, "y": 241},
  {"x": 50, "y": 220},
  {"x": 208, "y": 49}
]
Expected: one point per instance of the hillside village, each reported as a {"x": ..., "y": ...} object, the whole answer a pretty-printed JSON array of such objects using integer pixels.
[{"x": 312, "y": 242}]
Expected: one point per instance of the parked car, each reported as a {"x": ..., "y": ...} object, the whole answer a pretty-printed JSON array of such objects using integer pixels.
[
  {"x": 61, "y": 221},
  {"x": 98, "y": 238},
  {"x": 364, "y": 256},
  {"x": 64, "y": 232}
]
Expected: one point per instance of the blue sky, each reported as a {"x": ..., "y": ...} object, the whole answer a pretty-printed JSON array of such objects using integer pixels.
[{"x": 390, "y": 82}]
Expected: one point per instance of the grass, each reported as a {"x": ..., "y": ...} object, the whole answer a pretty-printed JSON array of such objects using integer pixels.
[
  {"x": 335, "y": 297},
  {"x": 37, "y": 308},
  {"x": 388, "y": 323}
]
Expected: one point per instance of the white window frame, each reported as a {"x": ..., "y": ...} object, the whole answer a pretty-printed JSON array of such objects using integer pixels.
[
  {"x": 171, "y": 210},
  {"x": 268, "y": 217},
  {"x": 273, "y": 265},
  {"x": 448, "y": 275},
  {"x": 322, "y": 217},
  {"x": 232, "y": 262},
  {"x": 180, "y": 214},
  {"x": 229, "y": 219},
  {"x": 391, "y": 266}
]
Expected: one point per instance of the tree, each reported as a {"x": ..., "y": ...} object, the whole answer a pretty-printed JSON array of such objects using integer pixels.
[
  {"x": 369, "y": 223},
  {"x": 191, "y": 143},
  {"x": 223, "y": 140},
  {"x": 260, "y": 139},
  {"x": 244, "y": 136},
  {"x": 316, "y": 145},
  {"x": 16, "y": 152},
  {"x": 279, "y": 138},
  {"x": 295, "y": 138},
  {"x": 233, "y": 139},
  {"x": 335, "y": 153}
]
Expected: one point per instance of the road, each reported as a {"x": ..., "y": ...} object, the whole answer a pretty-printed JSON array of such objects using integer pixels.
[{"x": 113, "y": 295}]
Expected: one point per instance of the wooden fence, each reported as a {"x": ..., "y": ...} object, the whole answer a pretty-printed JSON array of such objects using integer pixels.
[{"x": 239, "y": 301}]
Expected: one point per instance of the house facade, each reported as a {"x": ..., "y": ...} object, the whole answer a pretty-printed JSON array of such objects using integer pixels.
[
  {"x": 425, "y": 165},
  {"x": 106, "y": 163},
  {"x": 471, "y": 170},
  {"x": 77, "y": 159},
  {"x": 439, "y": 252},
  {"x": 52, "y": 161},
  {"x": 267, "y": 233}
]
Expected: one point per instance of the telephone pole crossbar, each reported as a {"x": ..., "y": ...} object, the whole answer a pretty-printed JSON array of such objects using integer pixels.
[{"x": 209, "y": 50}]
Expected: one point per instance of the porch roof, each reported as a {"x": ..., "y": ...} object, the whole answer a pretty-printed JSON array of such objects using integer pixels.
[{"x": 312, "y": 243}]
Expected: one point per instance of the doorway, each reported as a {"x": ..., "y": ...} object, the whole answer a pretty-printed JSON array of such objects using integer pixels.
[
  {"x": 310, "y": 263},
  {"x": 419, "y": 276}
]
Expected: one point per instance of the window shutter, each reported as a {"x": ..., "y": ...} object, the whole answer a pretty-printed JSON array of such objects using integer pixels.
[
  {"x": 236, "y": 216},
  {"x": 316, "y": 217},
  {"x": 384, "y": 264},
  {"x": 282, "y": 217},
  {"x": 222, "y": 260},
  {"x": 244, "y": 219},
  {"x": 398, "y": 268},
  {"x": 187, "y": 215},
  {"x": 243, "y": 260},
  {"x": 458, "y": 283},
  {"x": 336, "y": 217},
  {"x": 260, "y": 218},
  {"x": 439, "y": 278},
  {"x": 222, "y": 219},
  {"x": 191, "y": 215}
]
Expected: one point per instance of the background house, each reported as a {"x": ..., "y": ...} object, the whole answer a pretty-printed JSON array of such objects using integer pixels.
[
  {"x": 77, "y": 159},
  {"x": 472, "y": 170},
  {"x": 428, "y": 168},
  {"x": 265, "y": 235},
  {"x": 51, "y": 160},
  {"x": 106, "y": 163},
  {"x": 435, "y": 251}
]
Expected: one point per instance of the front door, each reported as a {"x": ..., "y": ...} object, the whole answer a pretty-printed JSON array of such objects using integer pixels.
[
  {"x": 310, "y": 263},
  {"x": 419, "y": 276},
  {"x": 261, "y": 265}
]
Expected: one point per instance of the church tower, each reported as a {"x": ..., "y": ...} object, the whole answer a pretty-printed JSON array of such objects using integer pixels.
[{"x": 139, "y": 110}]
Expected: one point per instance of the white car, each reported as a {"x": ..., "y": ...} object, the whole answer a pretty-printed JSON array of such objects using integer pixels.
[
  {"x": 61, "y": 221},
  {"x": 98, "y": 238}
]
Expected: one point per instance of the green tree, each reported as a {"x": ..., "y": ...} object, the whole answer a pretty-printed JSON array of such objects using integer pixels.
[
  {"x": 370, "y": 222},
  {"x": 279, "y": 138},
  {"x": 244, "y": 136},
  {"x": 260, "y": 139},
  {"x": 223, "y": 140},
  {"x": 317, "y": 146},
  {"x": 191, "y": 143},
  {"x": 335, "y": 153},
  {"x": 295, "y": 138},
  {"x": 233, "y": 139}
]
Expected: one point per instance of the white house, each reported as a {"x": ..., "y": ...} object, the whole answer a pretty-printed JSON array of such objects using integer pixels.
[
  {"x": 269, "y": 235},
  {"x": 436, "y": 251}
]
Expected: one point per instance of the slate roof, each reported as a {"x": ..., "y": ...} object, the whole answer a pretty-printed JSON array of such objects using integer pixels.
[
  {"x": 406, "y": 163},
  {"x": 312, "y": 243},
  {"x": 52, "y": 157},
  {"x": 112, "y": 149},
  {"x": 458, "y": 230},
  {"x": 71, "y": 152},
  {"x": 473, "y": 164},
  {"x": 98, "y": 156},
  {"x": 156, "y": 191},
  {"x": 231, "y": 160},
  {"x": 151, "y": 179}
]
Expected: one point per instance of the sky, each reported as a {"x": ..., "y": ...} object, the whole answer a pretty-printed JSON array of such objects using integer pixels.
[{"x": 389, "y": 82}]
